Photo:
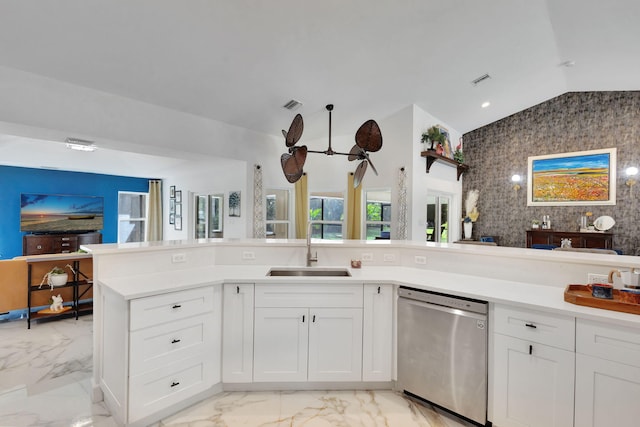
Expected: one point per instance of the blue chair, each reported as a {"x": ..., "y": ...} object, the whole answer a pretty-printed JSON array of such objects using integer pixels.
[{"x": 542, "y": 246}]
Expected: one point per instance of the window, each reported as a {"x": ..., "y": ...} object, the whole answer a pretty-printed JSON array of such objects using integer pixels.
[
  {"x": 277, "y": 214},
  {"x": 378, "y": 214},
  {"x": 438, "y": 218},
  {"x": 326, "y": 210},
  {"x": 132, "y": 216},
  {"x": 208, "y": 220}
]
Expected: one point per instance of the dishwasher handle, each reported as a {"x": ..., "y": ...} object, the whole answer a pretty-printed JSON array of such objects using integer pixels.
[{"x": 449, "y": 310}]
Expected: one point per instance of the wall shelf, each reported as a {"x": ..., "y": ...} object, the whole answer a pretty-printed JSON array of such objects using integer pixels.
[{"x": 432, "y": 156}]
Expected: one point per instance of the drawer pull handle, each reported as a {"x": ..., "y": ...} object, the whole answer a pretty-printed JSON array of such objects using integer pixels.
[
  {"x": 39, "y": 247},
  {"x": 176, "y": 306},
  {"x": 530, "y": 349},
  {"x": 530, "y": 325},
  {"x": 174, "y": 341},
  {"x": 173, "y": 384}
]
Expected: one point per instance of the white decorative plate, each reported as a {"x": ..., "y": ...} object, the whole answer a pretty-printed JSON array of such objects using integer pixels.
[{"x": 604, "y": 223}]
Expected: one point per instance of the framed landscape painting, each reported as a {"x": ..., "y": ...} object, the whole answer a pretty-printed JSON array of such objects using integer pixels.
[{"x": 572, "y": 179}]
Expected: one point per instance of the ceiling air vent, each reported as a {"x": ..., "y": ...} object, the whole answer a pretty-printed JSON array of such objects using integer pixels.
[
  {"x": 292, "y": 105},
  {"x": 480, "y": 79}
]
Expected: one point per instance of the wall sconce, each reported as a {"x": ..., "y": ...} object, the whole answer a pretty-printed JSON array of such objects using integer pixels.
[
  {"x": 516, "y": 179},
  {"x": 631, "y": 171}
]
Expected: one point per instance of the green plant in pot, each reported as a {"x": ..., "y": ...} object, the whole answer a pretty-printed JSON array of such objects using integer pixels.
[
  {"x": 433, "y": 136},
  {"x": 55, "y": 277}
]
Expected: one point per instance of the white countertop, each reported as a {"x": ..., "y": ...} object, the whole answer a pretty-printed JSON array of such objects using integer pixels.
[{"x": 545, "y": 298}]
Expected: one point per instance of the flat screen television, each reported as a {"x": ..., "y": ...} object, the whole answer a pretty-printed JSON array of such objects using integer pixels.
[{"x": 60, "y": 213}]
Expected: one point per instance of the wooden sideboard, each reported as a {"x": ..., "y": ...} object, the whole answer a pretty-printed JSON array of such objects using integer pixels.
[
  {"x": 38, "y": 244},
  {"x": 595, "y": 240}
]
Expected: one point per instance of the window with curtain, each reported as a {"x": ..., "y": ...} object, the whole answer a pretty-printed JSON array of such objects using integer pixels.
[
  {"x": 438, "y": 218},
  {"x": 326, "y": 210},
  {"x": 132, "y": 216},
  {"x": 277, "y": 214},
  {"x": 378, "y": 214}
]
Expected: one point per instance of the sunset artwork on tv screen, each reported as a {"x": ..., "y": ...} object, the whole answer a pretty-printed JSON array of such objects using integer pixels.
[{"x": 56, "y": 213}]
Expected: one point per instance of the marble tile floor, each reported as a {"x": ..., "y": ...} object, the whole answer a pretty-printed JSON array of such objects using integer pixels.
[{"x": 45, "y": 380}]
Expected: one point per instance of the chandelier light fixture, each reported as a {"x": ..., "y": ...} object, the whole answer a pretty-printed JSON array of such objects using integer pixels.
[{"x": 368, "y": 139}]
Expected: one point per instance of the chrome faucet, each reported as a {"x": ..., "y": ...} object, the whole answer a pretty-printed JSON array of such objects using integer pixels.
[{"x": 310, "y": 258}]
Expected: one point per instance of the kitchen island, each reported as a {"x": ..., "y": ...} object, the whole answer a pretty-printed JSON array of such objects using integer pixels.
[{"x": 228, "y": 280}]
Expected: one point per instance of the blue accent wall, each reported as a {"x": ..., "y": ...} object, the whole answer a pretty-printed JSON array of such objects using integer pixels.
[{"x": 15, "y": 181}]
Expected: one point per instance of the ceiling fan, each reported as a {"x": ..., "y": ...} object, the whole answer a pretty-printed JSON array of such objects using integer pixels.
[{"x": 368, "y": 139}]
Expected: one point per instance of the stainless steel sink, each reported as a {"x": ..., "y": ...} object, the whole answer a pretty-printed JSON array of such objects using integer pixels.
[{"x": 314, "y": 272}]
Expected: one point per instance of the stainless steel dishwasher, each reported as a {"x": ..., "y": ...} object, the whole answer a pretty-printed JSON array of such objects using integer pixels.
[{"x": 442, "y": 351}]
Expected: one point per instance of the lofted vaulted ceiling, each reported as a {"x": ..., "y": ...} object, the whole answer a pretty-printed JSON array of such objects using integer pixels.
[{"x": 240, "y": 61}]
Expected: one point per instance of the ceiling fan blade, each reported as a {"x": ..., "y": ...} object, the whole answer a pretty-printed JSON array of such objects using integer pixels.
[
  {"x": 369, "y": 137},
  {"x": 300, "y": 155},
  {"x": 295, "y": 131},
  {"x": 292, "y": 171},
  {"x": 368, "y": 158},
  {"x": 359, "y": 173},
  {"x": 355, "y": 153}
]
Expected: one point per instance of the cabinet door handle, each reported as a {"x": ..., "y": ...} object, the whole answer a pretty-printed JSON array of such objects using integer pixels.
[
  {"x": 314, "y": 319},
  {"x": 174, "y": 341},
  {"x": 378, "y": 289},
  {"x": 174, "y": 383},
  {"x": 237, "y": 289},
  {"x": 530, "y": 349},
  {"x": 530, "y": 325},
  {"x": 176, "y": 306},
  {"x": 39, "y": 247},
  {"x": 303, "y": 318}
]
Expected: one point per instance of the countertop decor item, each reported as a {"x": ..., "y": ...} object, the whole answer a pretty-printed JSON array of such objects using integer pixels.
[
  {"x": 604, "y": 223},
  {"x": 582, "y": 295},
  {"x": 368, "y": 139}
]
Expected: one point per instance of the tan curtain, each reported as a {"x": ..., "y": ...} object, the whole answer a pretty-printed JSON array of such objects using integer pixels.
[
  {"x": 154, "y": 223},
  {"x": 354, "y": 209},
  {"x": 302, "y": 209}
]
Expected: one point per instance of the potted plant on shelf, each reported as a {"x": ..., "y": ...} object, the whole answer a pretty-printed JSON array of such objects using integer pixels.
[
  {"x": 55, "y": 277},
  {"x": 432, "y": 136}
]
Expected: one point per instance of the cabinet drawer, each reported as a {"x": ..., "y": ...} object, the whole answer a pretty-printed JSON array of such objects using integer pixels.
[
  {"x": 38, "y": 246},
  {"x": 160, "y": 388},
  {"x": 305, "y": 295},
  {"x": 154, "y": 347},
  {"x": 607, "y": 341},
  {"x": 544, "y": 328},
  {"x": 170, "y": 307}
]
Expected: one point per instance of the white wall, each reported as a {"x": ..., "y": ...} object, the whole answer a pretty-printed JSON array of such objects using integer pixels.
[{"x": 440, "y": 179}]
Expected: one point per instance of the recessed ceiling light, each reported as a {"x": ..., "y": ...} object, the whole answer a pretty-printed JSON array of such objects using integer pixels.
[
  {"x": 80, "y": 144},
  {"x": 485, "y": 104}
]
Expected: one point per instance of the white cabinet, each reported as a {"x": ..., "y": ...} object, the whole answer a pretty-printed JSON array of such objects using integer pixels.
[
  {"x": 377, "y": 333},
  {"x": 307, "y": 332},
  {"x": 607, "y": 375},
  {"x": 237, "y": 334},
  {"x": 533, "y": 368},
  {"x": 281, "y": 344},
  {"x": 335, "y": 344},
  {"x": 162, "y": 350}
]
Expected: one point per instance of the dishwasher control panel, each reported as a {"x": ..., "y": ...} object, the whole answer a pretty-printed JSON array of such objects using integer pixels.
[{"x": 451, "y": 301}]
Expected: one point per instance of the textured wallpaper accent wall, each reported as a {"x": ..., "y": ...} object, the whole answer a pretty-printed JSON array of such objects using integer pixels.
[{"x": 575, "y": 121}]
